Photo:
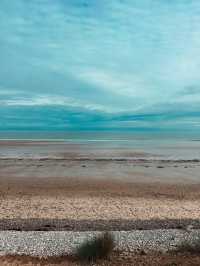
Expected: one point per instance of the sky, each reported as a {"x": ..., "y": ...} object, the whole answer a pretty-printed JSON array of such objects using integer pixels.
[{"x": 99, "y": 64}]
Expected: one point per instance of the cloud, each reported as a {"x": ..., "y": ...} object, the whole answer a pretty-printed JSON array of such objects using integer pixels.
[
  {"x": 191, "y": 90},
  {"x": 124, "y": 84},
  {"x": 101, "y": 56},
  {"x": 52, "y": 100},
  {"x": 8, "y": 91}
]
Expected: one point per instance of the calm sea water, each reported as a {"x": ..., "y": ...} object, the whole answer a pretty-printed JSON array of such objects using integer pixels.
[
  {"x": 110, "y": 136},
  {"x": 167, "y": 145}
]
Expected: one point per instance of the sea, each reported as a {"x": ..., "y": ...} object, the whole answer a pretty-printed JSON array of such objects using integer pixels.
[{"x": 168, "y": 145}]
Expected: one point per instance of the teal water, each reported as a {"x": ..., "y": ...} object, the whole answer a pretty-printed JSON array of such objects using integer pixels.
[{"x": 107, "y": 136}]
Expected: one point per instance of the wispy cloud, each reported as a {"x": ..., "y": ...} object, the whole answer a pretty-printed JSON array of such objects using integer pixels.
[
  {"x": 52, "y": 100},
  {"x": 109, "y": 80}
]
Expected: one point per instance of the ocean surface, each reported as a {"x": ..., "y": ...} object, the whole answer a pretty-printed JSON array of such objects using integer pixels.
[{"x": 113, "y": 144}]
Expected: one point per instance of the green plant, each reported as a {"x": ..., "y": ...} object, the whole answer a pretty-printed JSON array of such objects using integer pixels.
[{"x": 99, "y": 247}]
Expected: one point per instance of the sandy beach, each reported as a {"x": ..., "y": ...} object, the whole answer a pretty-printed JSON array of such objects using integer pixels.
[
  {"x": 57, "y": 186},
  {"x": 116, "y": 260},
  {"x": 79, "y": 183}
]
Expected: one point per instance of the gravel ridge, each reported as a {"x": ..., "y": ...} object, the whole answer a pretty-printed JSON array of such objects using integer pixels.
[{"x": 58, "y": 243}]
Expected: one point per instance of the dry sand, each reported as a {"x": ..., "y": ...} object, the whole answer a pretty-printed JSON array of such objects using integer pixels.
[
  {"x": 27, "y": 191},
  {"x": 115, "y": 260}
]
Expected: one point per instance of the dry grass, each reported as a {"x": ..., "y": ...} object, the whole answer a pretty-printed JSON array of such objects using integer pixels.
[
  {"x": 99, "y": 247},
  {"x": 188, "y": 246}
]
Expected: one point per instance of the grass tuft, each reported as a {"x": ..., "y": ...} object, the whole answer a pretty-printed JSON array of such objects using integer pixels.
[
  {"x": 99, "y": 247},
  {"x": 191, "y": 246}
]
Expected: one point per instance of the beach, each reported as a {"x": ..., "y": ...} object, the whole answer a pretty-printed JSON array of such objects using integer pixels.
[
  {"x": 127, "y": 260},
  {"x": 46, "y": 181},
  {"x": 85, "y": 187}
]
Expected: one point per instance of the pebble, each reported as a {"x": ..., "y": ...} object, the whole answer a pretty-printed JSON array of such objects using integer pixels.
[{"x": 54, "y": 243}]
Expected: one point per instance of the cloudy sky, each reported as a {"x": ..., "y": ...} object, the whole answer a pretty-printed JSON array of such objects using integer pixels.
[{"x": 100, "y": 64}]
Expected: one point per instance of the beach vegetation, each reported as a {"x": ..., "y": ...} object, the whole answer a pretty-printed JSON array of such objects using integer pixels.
[
  {"x": 191, "y": 246},
  {"x": 100, "y": 247}
]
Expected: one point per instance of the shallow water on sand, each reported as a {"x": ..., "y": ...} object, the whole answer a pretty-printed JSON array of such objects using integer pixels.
[{"x": 109, "y": 145}]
